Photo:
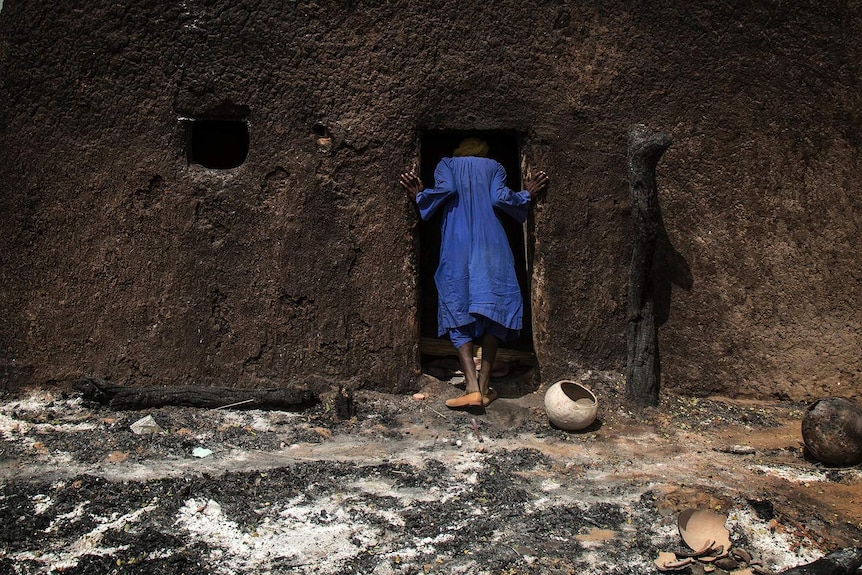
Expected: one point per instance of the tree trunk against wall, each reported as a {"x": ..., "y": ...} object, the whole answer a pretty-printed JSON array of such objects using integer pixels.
[{"x": 642, "y": 364}]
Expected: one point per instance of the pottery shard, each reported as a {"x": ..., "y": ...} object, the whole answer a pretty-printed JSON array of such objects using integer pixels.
[
  {"x": 668, "y": 562},
  {"x": 704, "y": 530},
  {"x": 832, "y": 431}
]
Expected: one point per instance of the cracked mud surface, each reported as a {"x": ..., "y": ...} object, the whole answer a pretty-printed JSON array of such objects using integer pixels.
[{"x": 408, "y": 487}]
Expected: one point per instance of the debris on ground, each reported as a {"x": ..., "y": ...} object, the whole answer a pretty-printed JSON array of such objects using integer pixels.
[
  {"x": 145, "y": 425},
  {"x": 406, "y": 486},
  {"x": 709, "y": 546}
]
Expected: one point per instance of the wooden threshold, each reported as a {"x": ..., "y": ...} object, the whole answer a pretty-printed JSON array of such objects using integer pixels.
[{"x": 442, "y": 348}]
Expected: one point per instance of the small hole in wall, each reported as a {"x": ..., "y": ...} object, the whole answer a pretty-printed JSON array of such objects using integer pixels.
[
  {"x": 320, "y": 129},
  {"x": 218, "y": 144}
]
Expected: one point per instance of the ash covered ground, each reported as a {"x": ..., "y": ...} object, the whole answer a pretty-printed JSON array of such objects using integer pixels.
[{"x": 407, "y": 486}]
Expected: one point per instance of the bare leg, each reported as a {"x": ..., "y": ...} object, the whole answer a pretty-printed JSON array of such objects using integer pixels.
[
  {"x": 471, "y": 397},
  {"x": 489, "y": 352},
  {"x": 465, "y": 357}
]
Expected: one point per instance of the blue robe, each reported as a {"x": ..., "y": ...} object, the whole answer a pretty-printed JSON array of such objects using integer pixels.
[{"x": 476, "y": 275}]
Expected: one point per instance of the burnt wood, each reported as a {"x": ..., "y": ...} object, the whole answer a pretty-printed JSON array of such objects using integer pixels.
[
  {"x": 135, "y": 398},
  {"x": 645, "y": 149},
  {"x": 841, "y": 562}
]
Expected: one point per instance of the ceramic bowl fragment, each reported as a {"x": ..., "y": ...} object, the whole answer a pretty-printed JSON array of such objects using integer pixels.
[
  {"x": 705, "y": 550},
  {"x": 668, "y": 562},
  {"x": 698, "y": 528},
  {"x": 741, "y": 555},
  {"x": 727, "y": 563}
]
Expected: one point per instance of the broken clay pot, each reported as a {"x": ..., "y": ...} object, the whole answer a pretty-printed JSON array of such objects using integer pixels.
[
  {"x": 700, "y": 529},
  {"x": 570, "y": 405}
]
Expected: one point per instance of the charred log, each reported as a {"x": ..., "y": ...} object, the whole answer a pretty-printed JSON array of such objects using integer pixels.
[
  {"x": 841, "y": 562},
  {"x": 645, "y": 149},
  {"x": 136, "y": 398}
]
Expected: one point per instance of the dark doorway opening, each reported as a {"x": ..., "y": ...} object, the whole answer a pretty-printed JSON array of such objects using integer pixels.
[
  {"x": 218, "y": 144},
  {"x": 505, "y": 148}
]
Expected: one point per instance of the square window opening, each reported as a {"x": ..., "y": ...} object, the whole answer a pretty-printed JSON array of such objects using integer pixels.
[{"x": 218, "y": 144}]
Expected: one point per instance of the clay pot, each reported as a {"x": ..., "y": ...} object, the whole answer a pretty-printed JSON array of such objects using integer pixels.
[
  {"x": 570, "y": 405},
  {"x": 832, "y": 431}
]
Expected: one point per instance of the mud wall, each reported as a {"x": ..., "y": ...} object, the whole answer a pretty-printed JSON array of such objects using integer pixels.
[{"x": 120, "y": 260}]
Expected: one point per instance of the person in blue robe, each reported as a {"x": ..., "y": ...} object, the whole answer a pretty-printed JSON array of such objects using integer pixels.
[{"x": 479, "y": 295}]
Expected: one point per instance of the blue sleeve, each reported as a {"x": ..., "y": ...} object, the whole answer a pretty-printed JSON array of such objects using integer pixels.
[
  {"x": 515, "y": 204},
  {"x": 429, "y": 200}
]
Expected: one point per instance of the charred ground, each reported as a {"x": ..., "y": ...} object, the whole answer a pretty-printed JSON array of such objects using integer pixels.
[{"x": 405, "y": 487}]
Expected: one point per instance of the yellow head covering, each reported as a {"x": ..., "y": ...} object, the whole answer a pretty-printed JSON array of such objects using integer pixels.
[{"x": 472, "y": 147}]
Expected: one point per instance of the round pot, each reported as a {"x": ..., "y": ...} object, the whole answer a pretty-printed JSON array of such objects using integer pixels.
[
  {"x": 832, "y": 431},
  {"x": 570, "y": 405}
]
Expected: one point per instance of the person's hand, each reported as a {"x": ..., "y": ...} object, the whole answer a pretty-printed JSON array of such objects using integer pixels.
[
  {"x": 536, "y": 183},
  {"x": 411, "y": 183}
]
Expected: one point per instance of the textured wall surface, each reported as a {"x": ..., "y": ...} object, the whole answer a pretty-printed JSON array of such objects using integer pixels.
[{"x": 120, "y": 260}]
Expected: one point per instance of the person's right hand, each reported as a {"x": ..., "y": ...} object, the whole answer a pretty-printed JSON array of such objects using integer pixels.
[
  {"x": 536, "y": 183},
  {"x": 411, "y": 183}
]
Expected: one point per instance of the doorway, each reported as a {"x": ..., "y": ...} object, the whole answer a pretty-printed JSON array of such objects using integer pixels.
[{"x": 505, "y": 147}]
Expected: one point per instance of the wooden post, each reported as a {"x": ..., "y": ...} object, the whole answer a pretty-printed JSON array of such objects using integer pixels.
[{"x": 645, "y": 149}]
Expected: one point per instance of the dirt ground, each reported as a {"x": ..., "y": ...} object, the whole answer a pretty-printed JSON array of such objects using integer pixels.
[{"x": 408, "y": 486}]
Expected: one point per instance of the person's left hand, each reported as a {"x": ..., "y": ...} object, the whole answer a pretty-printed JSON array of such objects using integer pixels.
[
  {"x": 536, "y": 183},
  {"x": 411, "y": 183}
]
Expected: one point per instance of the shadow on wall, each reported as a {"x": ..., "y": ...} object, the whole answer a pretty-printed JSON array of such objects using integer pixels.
[{"x": 669, "y": 269}]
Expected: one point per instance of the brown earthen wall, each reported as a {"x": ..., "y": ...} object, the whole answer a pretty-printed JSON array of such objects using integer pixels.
[{"x": 121, "y": 261}]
